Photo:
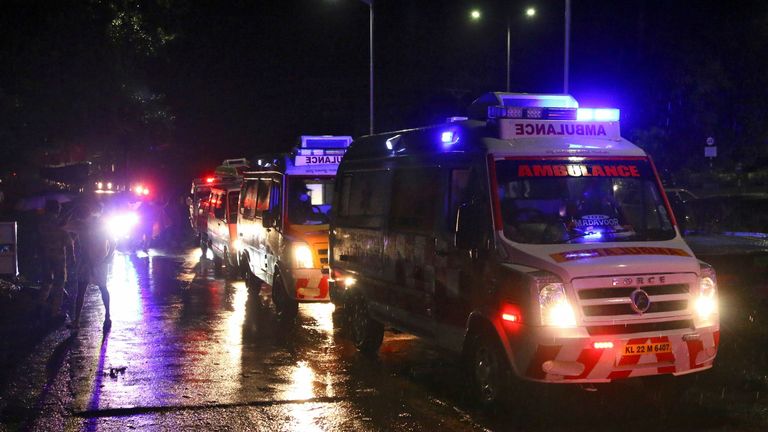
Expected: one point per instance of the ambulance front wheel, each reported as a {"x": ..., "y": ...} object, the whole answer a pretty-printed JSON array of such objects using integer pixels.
[
  {"x": 488, "y": 370},
  {"x": 366, "y": 333},
  {"x": 286, "y": 307}
]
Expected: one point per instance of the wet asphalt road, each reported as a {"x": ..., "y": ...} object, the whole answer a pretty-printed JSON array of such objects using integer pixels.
[{"x": 190, "y": 349}]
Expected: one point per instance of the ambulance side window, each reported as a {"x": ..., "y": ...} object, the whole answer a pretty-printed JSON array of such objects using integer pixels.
[
  {"x": 248, "y": 200},
  {"x": 415, "y": 197},
  {"x": 218, "y": 206},
  {"x": 274, "y": 198},
  {"x": 262, "y": 196},
  {"x": 363, "y": 200}
]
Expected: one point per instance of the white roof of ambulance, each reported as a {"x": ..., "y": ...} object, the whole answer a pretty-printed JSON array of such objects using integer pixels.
[{"x": 562, "y": 146}]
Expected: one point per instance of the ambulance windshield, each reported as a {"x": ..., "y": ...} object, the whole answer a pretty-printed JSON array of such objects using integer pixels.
[
  {"x": 584, "y": 201},
  {"x": 309, "y": 200}
]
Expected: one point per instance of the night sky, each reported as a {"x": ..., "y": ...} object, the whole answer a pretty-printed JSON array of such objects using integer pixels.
[{"x": 189, "y": 83}]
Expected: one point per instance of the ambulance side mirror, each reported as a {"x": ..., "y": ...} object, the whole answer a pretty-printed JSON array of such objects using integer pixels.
[
  {"x": 268, "y": 219},
  {"x": 468, "y": 234}
]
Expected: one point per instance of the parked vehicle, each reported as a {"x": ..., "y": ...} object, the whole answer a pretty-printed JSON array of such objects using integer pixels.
[
  {"x": 283, "y": 221},
  {"x": 228, "y": 172},
  {"x": 221, "y": 227},
  {"x": 530, "y": 238}
]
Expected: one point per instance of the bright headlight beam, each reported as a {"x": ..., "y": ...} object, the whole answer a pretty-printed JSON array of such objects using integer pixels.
[{"x": 302, "y": 256}]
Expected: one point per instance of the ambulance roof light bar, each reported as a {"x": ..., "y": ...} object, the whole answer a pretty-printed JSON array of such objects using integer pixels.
[
  {"x": 235, "y": 162},
  {"x": 480, "y": 107},
  {"x": 536, "y": 113},
  {"x": 537, "y": 100},
  {"x": 325, "y": 141}
]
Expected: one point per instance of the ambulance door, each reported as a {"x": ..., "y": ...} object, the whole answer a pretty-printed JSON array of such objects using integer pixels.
[
  {"x": 269, "y": 217},
  {"x": 410, "y": 245},
  {"x": 218, "y": 228},
  {"x": 461, "y": 260},
  {"x": 248, "y": 230}
]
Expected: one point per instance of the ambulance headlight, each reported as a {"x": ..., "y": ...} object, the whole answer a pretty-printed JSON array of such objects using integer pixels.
[
  {"x": 554, "y": 306},
  {"x": 706, "y": 301},
  {"x": 120, "y": 225},
  {"x": 302, "y": 255}
]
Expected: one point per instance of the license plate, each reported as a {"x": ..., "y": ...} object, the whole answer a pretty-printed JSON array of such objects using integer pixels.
[{"x": 648, "y": 348}]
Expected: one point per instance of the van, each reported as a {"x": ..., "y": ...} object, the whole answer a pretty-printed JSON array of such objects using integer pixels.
[
  {"x": 220, "y": 236},
  {"x": 530, "y": 239},
  {"x": 230, "y": 171},
  {"x": 283, "y": 221}
]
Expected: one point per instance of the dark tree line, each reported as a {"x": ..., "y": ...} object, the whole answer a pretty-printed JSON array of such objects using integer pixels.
[{"x": 182, "y": 83}]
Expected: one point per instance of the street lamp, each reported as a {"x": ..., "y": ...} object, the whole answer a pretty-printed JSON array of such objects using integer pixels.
[
  {"x": 530, "y": 12},
  {"x": 370, "y": 64}
]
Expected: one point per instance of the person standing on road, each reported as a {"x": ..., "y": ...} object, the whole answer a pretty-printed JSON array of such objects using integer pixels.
[
  {"x": 95, "y": 250},
  {"x": 56, "y": 246}
]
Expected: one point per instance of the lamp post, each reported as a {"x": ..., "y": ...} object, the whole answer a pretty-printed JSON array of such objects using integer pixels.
[
  {"x": 567, "y": 43},
  {"x": 530, "y": 12},
  {"x": 370, "y": 64}
]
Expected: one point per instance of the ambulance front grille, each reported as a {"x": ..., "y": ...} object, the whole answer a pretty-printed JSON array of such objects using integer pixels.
[
  {"x": 615, "y": 302},
  {"x": 608, "y": 309},
  {"x": 323, "y": 254},
  {"x": 604, "y": 330}
]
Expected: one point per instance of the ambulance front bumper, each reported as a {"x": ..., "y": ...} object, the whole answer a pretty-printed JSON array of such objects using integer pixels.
[
  {"x": 309, "y": 285},
  {"x": 577, "y": 357}
]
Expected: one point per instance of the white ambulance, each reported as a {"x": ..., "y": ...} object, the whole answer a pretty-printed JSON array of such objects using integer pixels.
[
  {"x": 283, "y": 221},
  {"x": 531, "y": 238}
]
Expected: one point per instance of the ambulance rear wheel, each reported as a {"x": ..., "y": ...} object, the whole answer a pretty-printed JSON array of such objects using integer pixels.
[
  {"x": 366, "y": 333},
  {"x": 488, "y": 370},
  {"x": 286, "y": 307}
]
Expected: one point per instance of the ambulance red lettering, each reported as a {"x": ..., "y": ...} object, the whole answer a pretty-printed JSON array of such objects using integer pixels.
[
  {"x": 543, "y": 171},
  {"x": 623, "y": 170},
  {"x": 610, "y": 170},
  {"x": 574, "y": 171},
  {"x": 600, "y": 130},
  {"x": 541, "y": 129},
  {"x": 633, "y": 171},
  {"x": 597, "y": 171},
  {"x": 579, "y": 129},
  {"x": 585, "y": 170},
  {"x": 524, "y": 171},
  {"x": 560, "y": 170}
]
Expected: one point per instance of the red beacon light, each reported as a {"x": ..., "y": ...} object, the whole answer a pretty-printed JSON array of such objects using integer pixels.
[
  {"x": 210, "y": 179},
  {"x": 141, "y": 190}
]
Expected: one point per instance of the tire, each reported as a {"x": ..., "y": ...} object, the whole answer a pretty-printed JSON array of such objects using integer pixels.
[
  {"x": 203, "y": 246},
  {"x": 488, "y": 371},
  {"x": 286, "y": 307},
  {"x": 366, "y": 333}
]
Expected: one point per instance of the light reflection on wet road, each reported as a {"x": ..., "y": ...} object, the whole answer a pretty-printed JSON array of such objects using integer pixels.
[
  {"x": 193, "y": 342},
  {"x": 202, "y": 352}
]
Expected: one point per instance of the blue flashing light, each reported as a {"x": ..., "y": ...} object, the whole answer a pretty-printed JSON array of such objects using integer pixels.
[
  {"x": 593, "y": 235},
  {"x": 449, "y": 138},
  {"x": 597, "y": 114},
  {"x": 325, "y": 141}
]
